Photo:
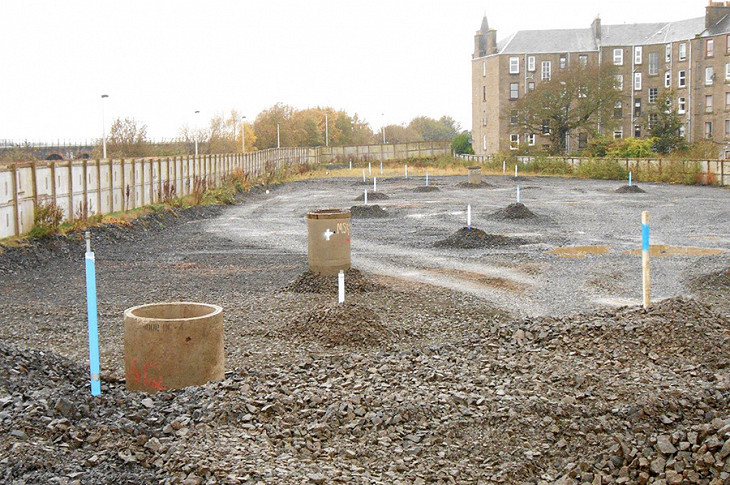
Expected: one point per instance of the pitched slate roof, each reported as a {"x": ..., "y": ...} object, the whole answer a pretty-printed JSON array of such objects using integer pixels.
[{"x": 582, "y": 40}]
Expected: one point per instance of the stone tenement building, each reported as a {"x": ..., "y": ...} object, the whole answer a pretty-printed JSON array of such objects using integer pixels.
[{"x": 691, "y": 57}]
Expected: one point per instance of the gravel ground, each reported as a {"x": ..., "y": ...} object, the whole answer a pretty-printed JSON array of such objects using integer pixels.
[{"x": 449, "y": 365}]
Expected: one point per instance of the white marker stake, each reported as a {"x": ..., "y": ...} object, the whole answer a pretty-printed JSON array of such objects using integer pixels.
[
  {"x": 370, "y": 170},
  {"x": 350, "y": 164},
  {"x": 406, "y": 171},
  {"x": 426, "y": 178},
  {"x": 363, "y": 175},
  {"x": 375, "y": 184},
  {"x": 381, "y": 168},
  {"x": 468, "y": 216},
  {"x": 515, "y": 170},
  {"x": 504, "y": 168},
  {"x": 366, "y": 197},
  {"x": 341, "y": 287},
  {"x": 518, "y": 194}
]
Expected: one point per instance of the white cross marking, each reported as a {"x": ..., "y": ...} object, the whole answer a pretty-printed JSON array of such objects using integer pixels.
[{"x": 328, "y": 234}]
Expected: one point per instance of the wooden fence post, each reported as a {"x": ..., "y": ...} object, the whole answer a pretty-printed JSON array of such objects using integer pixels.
[
  {"x": 70, "y": 191},
  {"x": 16, "y": 201},
  {"x": 53, "y": 182},
  {"x": 85, "y": 204},
  {"x": 34, "y": 176},
  {"x": 98, "y": 187},
  {"x": 124, "y": 183}
]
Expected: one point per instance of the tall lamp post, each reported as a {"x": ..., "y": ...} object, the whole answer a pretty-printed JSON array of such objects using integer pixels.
[
  {"x": 243, "y": 134},
  {"x": 103, "y": 127},
  {"x": 195, "y": 132}
]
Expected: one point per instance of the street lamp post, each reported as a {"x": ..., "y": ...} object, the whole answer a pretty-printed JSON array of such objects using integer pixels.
[
  {"x": 243, "y": 134},
  {"x": 103, "y": 127},
  {"x": 195, "y": 132}
]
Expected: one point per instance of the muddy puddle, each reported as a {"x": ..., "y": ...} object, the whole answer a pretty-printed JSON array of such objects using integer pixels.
[
  {"x": 494, "y": 282},
  {"x": 663, "y": 251},
  {"x": 578, "y": 251}
]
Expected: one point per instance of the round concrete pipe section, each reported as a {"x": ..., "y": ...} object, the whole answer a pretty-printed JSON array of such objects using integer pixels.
[
  {"x": 329, "y": 241},
  {"x": 475, "y": 175},
  {"x": 173, "y": 345}
]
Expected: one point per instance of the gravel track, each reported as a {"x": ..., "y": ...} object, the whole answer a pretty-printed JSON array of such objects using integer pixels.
[{"x": 473, "y": 366}]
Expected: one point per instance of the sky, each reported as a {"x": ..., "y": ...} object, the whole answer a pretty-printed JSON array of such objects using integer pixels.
[{"x": 159, "y": 61}]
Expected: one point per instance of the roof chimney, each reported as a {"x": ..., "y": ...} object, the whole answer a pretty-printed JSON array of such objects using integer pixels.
[
  {"x": 715, "y": 11},
  {"x": 596, "y": 27}
]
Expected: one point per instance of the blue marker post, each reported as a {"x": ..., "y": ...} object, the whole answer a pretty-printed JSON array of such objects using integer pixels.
[
  {"x": 381, "y": 167},
  {"x": 426, "y": 178},
  {"x": 92, "y": 314},
  {"x": 645, "y": 280},
  {"x": 629, "y": 179},
  {"x": 518, "y": 194}
]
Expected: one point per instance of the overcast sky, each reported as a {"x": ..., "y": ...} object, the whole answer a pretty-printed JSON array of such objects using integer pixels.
[{"x": 159, "y": 61}]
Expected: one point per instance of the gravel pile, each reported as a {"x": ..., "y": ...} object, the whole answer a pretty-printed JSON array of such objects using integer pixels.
[
  {"x": 340, "y": 324},
  {"x": 308, "y": 282},
  {"x": 630, "y": 189},
  {"x": 466, "y": 238},
  {"x": 467, "y": 185},
  {"x": 368, "y": 211},
  {"x": 516, "y": 210},
  {"x": 426, "y": 188},
  {"x": 373, "y": 196}
]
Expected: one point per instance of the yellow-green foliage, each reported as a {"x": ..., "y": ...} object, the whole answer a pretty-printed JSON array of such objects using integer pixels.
[{"x": 594, "y": 168}]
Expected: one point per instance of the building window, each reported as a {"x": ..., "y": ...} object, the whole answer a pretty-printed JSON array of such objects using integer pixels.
[
  {"x": 727, "y": 101},
  {"x": 653, "y": 94},
  {"x": 653, "y": 63},
  {"x": 637, "y": 55},
  {"x": 513, "y": 116},
  {"x": 682, "y": 79},
  {"x": 618, "y": 110},
  {"x": 618, "y": 133},
  {"x": 727, "y": 71},
  {"x": 530, "y": 63},
  {"x": 668, "y": 53},
  {"x": 619, "y": 82},
  {"x": 637, "y": 81},
  {"x": 514, "y": 65},
  {"x": 727, "y": 44},
  {"x": 582, "y": 140},
  {"x": 682, "y": 51},
  {"x": 681, "y": 106},
  {"x": 618, "y": 57},
  {"x": 563, "y": 62},
  {"x": 484, "y": 93},
  {"x": 637, "y": 131},
  {"x": 653, "y": 118},
  {"x": 484, "y": 118},
  {"x": 545, "y": 127},
  {"x": 545, "y": 73},
  {"x": 710, "y": 47},
  {"x": 484, "y": 142},
  {"x": 727, "y": 128},
  {"x": 531, "y": 86},
  {"x": 583, "y": 60},
  {"x": 484, "y": 68},
  {"x": 709, "y": 75},
  {"x": 514, "y": 90},
  {"x": 708, "y": 129},
  {"x": 514, "y": 141},
  {"x": 637, "y": 107},
  {"x": 708, "y": 103},
  {"x": 530, "y": 139},
  {"x": 668, "y": 79}
]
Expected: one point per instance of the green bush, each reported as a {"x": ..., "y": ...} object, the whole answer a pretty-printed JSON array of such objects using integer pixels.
[
  {"x": 602, "y": 169},
  {"x": 460, "y": 144},
  {"x": 547, "y": 165},
  {"x": 46, "y": 220},
  {"x": 631, "y": 148}
]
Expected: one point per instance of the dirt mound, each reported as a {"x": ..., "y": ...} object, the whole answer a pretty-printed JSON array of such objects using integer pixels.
[
  {"x": 515, "y": 210},
  {"x": 473, "y": 238},
  {"x": 341, "y": 324},
  {"x": 467, "y": 185},
  {"x": 373, "y": 196},
  {"x": 367, "y": 211},
  {"x": 426, "y": 188},
  {"x": 309, "y": 282},
  {"x": 718, "y": 280},
  {"x": 630, "y": 189}
]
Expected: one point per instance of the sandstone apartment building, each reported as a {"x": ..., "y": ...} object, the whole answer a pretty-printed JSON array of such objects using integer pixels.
[{"x": 692, "y": 57}]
